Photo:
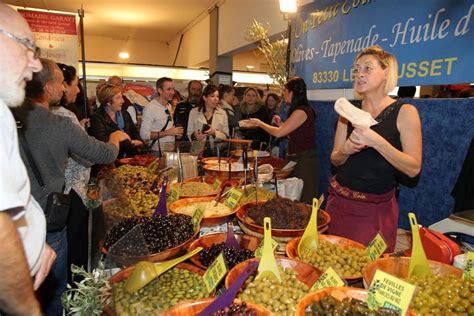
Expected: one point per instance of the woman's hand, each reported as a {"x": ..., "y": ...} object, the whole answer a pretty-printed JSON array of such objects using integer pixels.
[
  {"x": 366, "y": 136},
  {"x": 211, "y": 131},
  {"x": 353, "y": 145},
  {"x": 137, "y": 143},
  {"x": 200, "y": 136},
  {"x": 253, "y": 122}
]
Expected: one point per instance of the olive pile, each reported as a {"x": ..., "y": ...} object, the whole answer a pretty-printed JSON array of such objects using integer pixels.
[
  {"x": 280, "y": 298},
  {"x": 443, "y": 295},
  {"x": 329, "y": 305},
  {"x": 162, "y": 293},
  {"x": 236, "y": 310},
  {"x": 159, "y": 233},
  {"x": 285, "y": 213},
  {"x": 345, "y": 261},
  {"x": 232, "y": 256},
  {"x": 261, "y": 194}
]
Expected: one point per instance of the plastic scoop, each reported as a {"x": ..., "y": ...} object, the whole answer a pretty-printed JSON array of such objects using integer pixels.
[
  {"x": 268, "y": 265},
  {"x": 161, "y": 208},
  {"x": 309, "y": 240},
  {"x": 418, "y": 262},
  {"x": 146, "y": 271},
  {"x": 227, "y": 297},
  {"x": 230, "y": 240}
]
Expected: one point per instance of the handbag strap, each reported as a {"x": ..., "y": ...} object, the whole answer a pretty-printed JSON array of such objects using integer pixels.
[
  {"x": 158, "y": 139},
  {"x": 30, "y": 159}
]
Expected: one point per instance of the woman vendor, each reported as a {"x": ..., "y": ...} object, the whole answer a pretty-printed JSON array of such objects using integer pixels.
[
  {"x": 301, "y": 133},
  {"x": 362, "y": 198}
]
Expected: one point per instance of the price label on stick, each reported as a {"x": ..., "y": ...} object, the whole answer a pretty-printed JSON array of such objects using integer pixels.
[
  {"x": 328, "y": 279},
  {"x": 258, "y": 252},
  {"x": 468, "y": 272},
  {"x": 174, "y": 194},
  {"x": 376, "y": 247},
  {"x": 233, "y": 198},
  {"x": 216, "y": 184},
  {"x": 214, "y": 274},
  {"x": 390, "y": 292},
  {"x": 197, "y": 217}
]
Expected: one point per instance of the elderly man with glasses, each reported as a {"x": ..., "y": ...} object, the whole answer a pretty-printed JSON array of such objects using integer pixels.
[{"x": 23, "y": 251}]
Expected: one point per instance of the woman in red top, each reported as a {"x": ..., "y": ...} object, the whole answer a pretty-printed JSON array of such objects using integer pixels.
[{"x": 300, "y": 129}]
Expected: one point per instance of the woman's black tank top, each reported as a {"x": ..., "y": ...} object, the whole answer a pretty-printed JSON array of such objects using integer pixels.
[{"x": 367, "y": 171}]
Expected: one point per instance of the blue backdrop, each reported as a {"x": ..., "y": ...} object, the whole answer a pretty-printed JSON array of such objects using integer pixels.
[
  {"x": 447, "y": 126},
  {"x": 432, "y": 40}
]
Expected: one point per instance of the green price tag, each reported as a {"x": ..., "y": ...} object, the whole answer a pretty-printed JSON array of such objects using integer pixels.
[
  {"x": 468, "y": 272},
  {"x": 216, "y": 184},
  {"x": 197, "y": 217},
  {"x": 233, "y": 198},
  {"x": 328, "y": 279},
  {"x": 174, "y": 194},
  {"x": 376, "y": 247},
  {"x": 390, "y": 292},
  {"x": 214, "y": 274},
  {"x": 258, "y": 252}
]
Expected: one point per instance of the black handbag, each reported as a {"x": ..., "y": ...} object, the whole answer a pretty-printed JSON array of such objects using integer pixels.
[{"x": 57, "y": 205}]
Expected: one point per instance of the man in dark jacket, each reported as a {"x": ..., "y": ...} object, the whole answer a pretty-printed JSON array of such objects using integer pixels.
[{"x": 181, "y": 113}]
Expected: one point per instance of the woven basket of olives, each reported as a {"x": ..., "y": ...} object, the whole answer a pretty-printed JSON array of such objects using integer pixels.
[
  {"x": 345, "y": 256},
  {"x": 152, "y": 239},
  {"x": 280, "y": 298},
  {"x": 239, "y": 307},
  {"x": 183, "y": 282}
]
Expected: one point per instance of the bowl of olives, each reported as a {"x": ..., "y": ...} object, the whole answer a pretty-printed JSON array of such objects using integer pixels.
[
  {"x": 183, "y": 282},
  {"x": 297, "y": 277},
  {"x": 338, "y": 301},
  {"x": 154, "y": 239},
  {"x": 398, "y": 266},
  {"x": 442, "y": 293},
  {"x": 345, "y": 256},
  {"x": 238, "y": 307},
  {"x": 214, "y": 243},
  {"x": 289, "y": 218},
  {"x": 214, "y": 213}
]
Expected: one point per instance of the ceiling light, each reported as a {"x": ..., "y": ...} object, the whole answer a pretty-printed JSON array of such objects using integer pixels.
[
  {"x": 288, "y": 6},
  {"x": 124, "y": 55},
  {"x": 250, "y": 67}
]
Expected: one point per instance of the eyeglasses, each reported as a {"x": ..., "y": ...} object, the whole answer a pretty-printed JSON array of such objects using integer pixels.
[{"x": 29, "y": 44}]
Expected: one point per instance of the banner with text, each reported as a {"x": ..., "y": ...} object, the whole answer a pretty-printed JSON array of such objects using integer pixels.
[
  {"x": 432, "y": 40},
  {"x": 55, "y": 34}
]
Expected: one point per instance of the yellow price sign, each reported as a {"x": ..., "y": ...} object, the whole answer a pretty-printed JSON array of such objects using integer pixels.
[
  {"x": 215, "y": 273},
  {"x": 328, "y": 279},
  {"x": 216, "y": 184},
  {"x": 233, "y": 198},
  {"x": 390, "y": 292},
  {"x": 376, "y": 247},
  {"x": 468, "y": 272},
  {"x": 174, "y": 194},
  {"x": 258, "y": 252},
  {"x": 197, "y": 217}
]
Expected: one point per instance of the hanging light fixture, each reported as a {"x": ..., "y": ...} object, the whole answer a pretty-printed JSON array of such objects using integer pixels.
[
  {"x": 124, "y": 55},
  {"x": 288, "y": 6}
]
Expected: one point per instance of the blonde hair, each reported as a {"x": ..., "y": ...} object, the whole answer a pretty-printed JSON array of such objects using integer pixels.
[
  {"x": 386, "y": 61},
  {"x": 107, "y": 92}
]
